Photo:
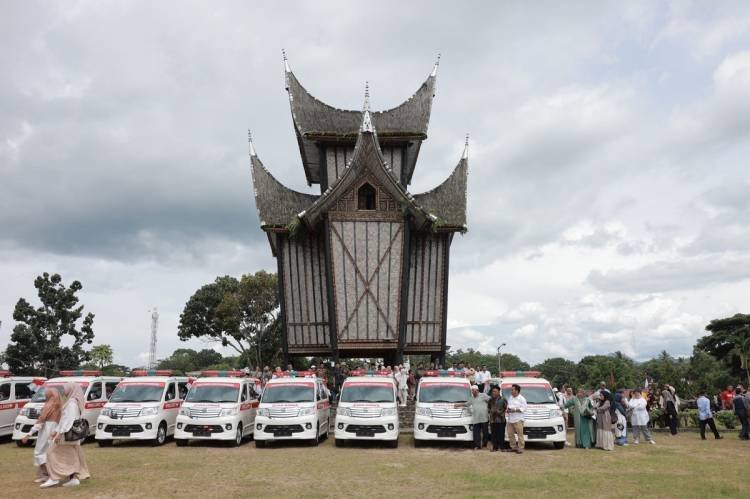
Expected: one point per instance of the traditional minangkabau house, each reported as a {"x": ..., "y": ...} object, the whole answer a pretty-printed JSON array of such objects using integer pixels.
[{"x": 363, "y": 267}]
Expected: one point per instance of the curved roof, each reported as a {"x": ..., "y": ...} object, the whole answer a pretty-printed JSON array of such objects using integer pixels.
[
  {"x": 276, "y": 204},
  {"x": 447, "y": 201}
]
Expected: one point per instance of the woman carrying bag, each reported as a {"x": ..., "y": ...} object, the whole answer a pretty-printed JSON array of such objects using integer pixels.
[
  {"x": 45, "y": 426},
  {"x": 65, "y": 459}
]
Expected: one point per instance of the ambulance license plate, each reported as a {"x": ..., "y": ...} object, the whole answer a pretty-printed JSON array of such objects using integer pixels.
[
  {"x": 365, "y": 433},
  {"x": 201, "y": 433},
  {"x": 282, "y": 433},
  {"x": 117, "y": 432},
  {"x": 446, "y": 434}
]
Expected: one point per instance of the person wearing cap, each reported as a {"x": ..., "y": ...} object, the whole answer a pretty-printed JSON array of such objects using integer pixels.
[{"x": 478, "y": 406}]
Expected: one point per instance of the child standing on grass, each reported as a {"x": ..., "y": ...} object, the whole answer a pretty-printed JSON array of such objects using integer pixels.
[
  {"x": 45, "y": 426},
  {"x": 639, "y": 417}
]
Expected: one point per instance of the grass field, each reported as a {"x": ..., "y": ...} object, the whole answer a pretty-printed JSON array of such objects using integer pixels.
[{"x": 682, "y": 466}]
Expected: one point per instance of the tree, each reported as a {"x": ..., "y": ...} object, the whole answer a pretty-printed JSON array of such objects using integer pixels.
[
  {"x": 706, "y": 373},
  {"x": 615, "y": 369},
  {"x": 666, "y": 369},
  {"x": 238, "y": 314},
  {"x": 558, "y": 371},
  {"x": 36, "y": 344},
  {"x": 101, "y": 355},
  {"x": 729, "y": 342}
]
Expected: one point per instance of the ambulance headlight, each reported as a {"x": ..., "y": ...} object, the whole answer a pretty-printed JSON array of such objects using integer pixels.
[
  {"x": 263, "y": 412},
  {"x": 423, "y": 411},
  {"x": 24, "y": 411},
  {"x": 229, "y": 412},
  {"x": 307, "y": 411},
  {"x": 149, "y": 411},
  {"x": 466, "y": 412},
  {"x": 555, "y": 413},
  {"x": 388, "y": 411},
  {"x": 106, "y": 412},
  {"x": 343, "y": 411},
  {"x": 184, "y": 411}
]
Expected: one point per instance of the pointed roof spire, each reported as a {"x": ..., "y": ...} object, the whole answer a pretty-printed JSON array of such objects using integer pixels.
[
  {"x": 435, "y": 68},
  {"x": 286, "y": 62},
  {"x": 465, "y": 155},
  {"x": 366, "y": 118},
  {"x": 250, "y": 143}
]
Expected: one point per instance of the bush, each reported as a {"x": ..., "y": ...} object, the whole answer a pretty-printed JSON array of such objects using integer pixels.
[
  {"x": 727, "y": 419},
  {"x": 657, "y": 417},
  {"x": 689, "y": 418}
]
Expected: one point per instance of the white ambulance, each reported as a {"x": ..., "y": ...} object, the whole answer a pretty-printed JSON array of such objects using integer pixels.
[
  {"x": 96, "y": 390},
  {"x": 294, "y": 406},
  {"x": 435, "y": 415},
  {"x": 543, "y": 420},
  {"x": 220, "y": 405},
  {"x": 142, "y": 407},
  {"x": 15, "y": 394},
  {"x": 367, "y": 409}
]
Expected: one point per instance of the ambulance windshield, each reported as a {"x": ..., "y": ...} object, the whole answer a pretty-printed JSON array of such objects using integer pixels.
[
  {"x": 213, "y": 393},
  {"x": 137, "y": 392},
  {"x": 367, "y": 392},
  {"x": 444, "y": 393},
  {"x": 39, "y": 395},
  {"x": 538, "y": 394},
  {"x": 288, "y": 392}
]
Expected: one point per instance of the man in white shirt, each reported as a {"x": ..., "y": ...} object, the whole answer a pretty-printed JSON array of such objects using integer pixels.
[
  {"x": 482, "y": 378},
  {"x": 515, "y": 418}
]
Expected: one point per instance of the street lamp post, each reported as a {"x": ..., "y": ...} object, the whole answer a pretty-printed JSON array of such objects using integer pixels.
[{"x": 498, "y": 359}]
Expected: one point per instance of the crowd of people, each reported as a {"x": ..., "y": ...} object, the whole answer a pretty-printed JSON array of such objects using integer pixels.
[{"x": 57, "y": 453}]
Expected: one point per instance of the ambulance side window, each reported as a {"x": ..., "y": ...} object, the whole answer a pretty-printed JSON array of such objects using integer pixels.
[
  {"x": 183, "y": 389},
  {"x": 243, "y": 393},
  {"x": 110, "y": 387},
  {"x": 171, "y": 392},
  {"x": 95, "y": 393},
  {"x": 23, "y": 391},
  {"x": 5, "y": 391}
]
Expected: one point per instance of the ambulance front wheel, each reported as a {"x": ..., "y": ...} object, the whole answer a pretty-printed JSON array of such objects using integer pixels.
[
  {"x": 161, "y": 434},
  {"x": 181, "y": 442},
  {"x": 314, "y": 442},
  {"x": 394, "y": 444},
  {"x": 259, "y": 444},
  {"x": 238, "y": 436},
  {"x": 105, "y": 443},
  {"x": 339, "y": 442},
  {"x": 559, "y": 445}
]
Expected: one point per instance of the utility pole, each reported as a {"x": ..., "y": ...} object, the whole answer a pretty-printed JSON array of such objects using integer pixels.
[
  {"x": 152, "y": 346},
  {"x": 499, "y": 370}
]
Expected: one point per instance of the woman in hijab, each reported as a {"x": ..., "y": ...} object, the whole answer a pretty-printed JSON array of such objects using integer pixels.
[
  {"x": 582, "y": 409},
  {"x": 65, "y": 459},
  {"x": 44, "y": 427},
  {"x": 605, "y": 439},
  {"x": 621, "y": 423}
]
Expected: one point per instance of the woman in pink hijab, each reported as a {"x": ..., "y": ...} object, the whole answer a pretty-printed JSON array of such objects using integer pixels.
[{"x": 65, "y": 460}]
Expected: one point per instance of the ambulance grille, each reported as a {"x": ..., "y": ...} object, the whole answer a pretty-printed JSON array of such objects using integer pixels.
[
  {"x": 125, "y": 412},
  {"x": 535, "y": 414},
  {"x": 205, "y": 412},
  {"x": 283, "y": 412},
  {"x": 441, "y": 412},
  {"x": 365, "y": 412}
]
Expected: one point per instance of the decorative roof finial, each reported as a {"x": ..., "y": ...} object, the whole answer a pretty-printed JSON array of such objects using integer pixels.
[
  {"x": 465, "y": 155},
  {"x": 366, "y": 119},
  {"x": 286, "y": 62},
  {"x": 250, "y": 143},
  {"x": 435, "y": 68}
]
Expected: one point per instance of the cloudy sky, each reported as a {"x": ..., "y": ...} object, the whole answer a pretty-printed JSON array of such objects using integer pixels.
[{"x": 609, "y": 179}]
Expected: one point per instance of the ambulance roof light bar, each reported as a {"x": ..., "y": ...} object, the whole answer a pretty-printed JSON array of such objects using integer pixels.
[
  {"x": 151, "y": 372},
  {"x": 296, "y": 374},
  {"x": 446, "y": 373},
  {"x": 213, "y": 373},
  {"x": 370, "y": 372},
  {"x": 520, "y": 374},
  {"x": 81, "y": 372},
  {"x": 4, "y": 374}
]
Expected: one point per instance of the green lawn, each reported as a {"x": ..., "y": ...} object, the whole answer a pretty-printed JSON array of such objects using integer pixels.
[{"x": 682, "y": 466}]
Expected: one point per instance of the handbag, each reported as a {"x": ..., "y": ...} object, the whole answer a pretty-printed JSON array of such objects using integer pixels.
[{"x": 78, "y": 431}]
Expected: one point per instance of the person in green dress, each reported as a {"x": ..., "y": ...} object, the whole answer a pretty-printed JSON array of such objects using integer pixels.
[{"x": 582, "y": 409}]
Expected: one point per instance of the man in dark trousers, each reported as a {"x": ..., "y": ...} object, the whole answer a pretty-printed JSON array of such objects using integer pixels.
[
  {"x": 497, "y": 405},
  {"x": 705, "y": 416},
  {"x": 741, "y": 405}
]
